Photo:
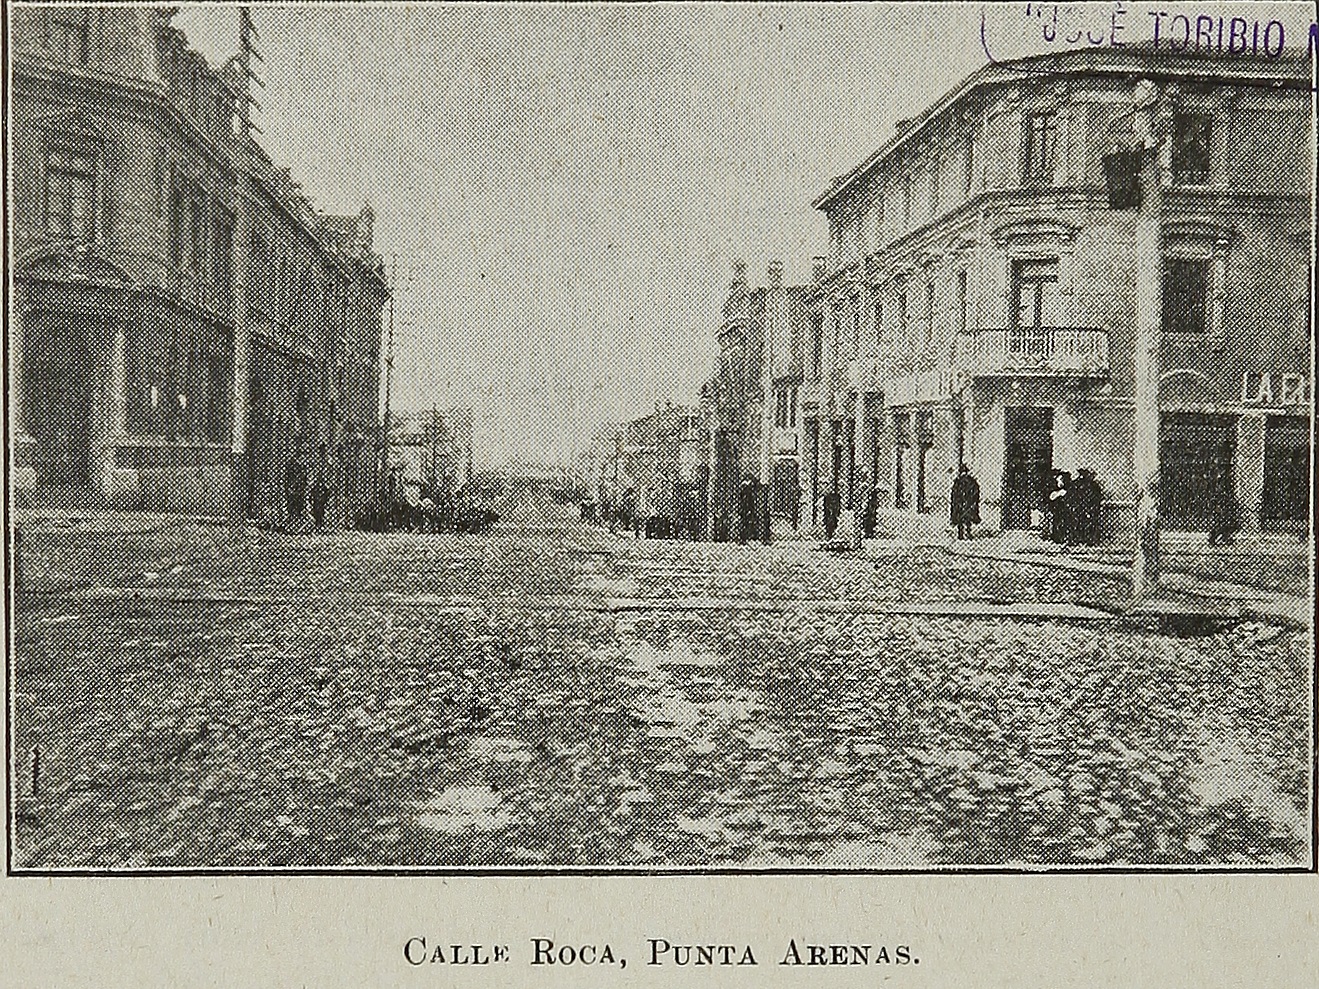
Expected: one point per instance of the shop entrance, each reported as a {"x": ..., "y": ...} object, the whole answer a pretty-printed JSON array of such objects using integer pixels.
[
  {"x": 57, "y": 392},
  {"x": 1285, "y": 501},
  {"x": 1196, "y": 457},
  {"x": 1027, "y": 461}
]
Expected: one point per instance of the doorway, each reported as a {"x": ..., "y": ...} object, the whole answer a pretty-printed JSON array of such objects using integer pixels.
[
  {"x": 1197, "y": 454},
  {"x": 57, "y": 392},
  {"x": 1028, "y": 458}
]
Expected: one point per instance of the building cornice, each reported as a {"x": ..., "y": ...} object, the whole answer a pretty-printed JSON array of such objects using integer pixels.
[{"x": 1077, "y": 64}]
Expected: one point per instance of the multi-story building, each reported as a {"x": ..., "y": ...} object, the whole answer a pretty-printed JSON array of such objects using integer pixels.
[
  {"x": 750, "y": 405},
  {"x": 142, "y": 215},
  {"x": 653, "y": 457},
  {"x": 434, "y": 447},
  {"x": 978, "y": 300}
]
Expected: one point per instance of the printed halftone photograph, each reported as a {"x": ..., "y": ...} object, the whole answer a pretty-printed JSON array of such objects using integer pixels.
[{"x": 665, "y": 438}]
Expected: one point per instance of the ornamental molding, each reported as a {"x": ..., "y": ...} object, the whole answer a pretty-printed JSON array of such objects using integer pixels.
[{"x": 1034, "y": 231}]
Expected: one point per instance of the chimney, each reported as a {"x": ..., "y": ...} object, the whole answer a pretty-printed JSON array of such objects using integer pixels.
[
  {"x": 819, "y": 267},
  {"x": 739, "y": 272},
  {"x": 775, "y": 274}
]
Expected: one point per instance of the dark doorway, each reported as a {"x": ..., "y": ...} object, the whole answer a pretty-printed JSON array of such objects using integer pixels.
[
  {"x": 1285, "y": 501},
  {"x": 784, "y": 496},
  {"x": 57, "y": 393},
  {"x": 1197, "y": 454},
  {"x": 1028, "y": 458}
]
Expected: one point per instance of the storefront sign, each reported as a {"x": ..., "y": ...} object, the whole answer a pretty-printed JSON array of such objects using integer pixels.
[{"x": 1263, "y": 388}]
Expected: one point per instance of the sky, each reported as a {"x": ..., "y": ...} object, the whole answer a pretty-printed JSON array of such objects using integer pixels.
[{"x": 566, "y": 188}]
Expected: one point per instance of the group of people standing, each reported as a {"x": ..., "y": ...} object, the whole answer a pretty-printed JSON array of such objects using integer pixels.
[
  {"x": 302, "y": 491},
  {"x": 1071, "y": 511}
]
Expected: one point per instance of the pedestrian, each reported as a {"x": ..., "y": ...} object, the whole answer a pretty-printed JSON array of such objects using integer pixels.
[
  {"x": 295, "y": 487},
  {"x": 1059, "y": 508},
  {"x": 964, "y": 502},
  {"x": 870, "y": 513},
  {"x": 320, "y": 491},
  {"x": 1089, "y": 499},
  {"x": 746, "y": 511},
  {"x": 833, "y": 506}
]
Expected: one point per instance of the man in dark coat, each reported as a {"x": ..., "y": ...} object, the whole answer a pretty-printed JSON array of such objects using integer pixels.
[
  {"x": 1088, "y": 499},
  {"x": 295, "y": 487},
  {"x": 870, "y": 513},
  {"x": 320, "y": 490},
  {"x": 833, "y": 507},
  {"x": 1226, "y": 521},
  {"x": 1059, "y": 507},
  {"x": 964, "y": 502}
]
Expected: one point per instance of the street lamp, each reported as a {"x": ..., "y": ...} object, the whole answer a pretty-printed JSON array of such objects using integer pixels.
[{"x": 1151, "y": 106}]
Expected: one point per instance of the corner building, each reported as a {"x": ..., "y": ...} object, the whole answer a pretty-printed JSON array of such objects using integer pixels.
[
  {"x": 128, "y": 268},
  {"x": 977, "y": 302}
]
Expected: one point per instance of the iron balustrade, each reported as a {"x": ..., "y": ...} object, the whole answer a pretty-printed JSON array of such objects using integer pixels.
[{"x": 1033, "y": 350}]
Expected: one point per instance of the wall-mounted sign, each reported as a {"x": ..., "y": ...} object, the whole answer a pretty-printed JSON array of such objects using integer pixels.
[{"x": 1263, "y": 388}]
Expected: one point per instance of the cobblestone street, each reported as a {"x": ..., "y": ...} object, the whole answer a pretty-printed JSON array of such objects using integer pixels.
[{"x": 553, "y": 695}]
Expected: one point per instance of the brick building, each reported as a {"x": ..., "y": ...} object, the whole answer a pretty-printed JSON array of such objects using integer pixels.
[
  {"x": 977, "y": 302},
  {"x": 134, "y": 289}
]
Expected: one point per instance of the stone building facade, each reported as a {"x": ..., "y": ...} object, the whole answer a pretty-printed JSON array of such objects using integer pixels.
[
  {"x": 750, "y": 406},
  {"x": 977, "y": 302},
  {"x": 128, "y": 173}
]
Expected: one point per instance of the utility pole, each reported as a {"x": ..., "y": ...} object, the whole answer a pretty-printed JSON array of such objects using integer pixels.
[
  {"x": 241, "y": 469},
  {"x": 1151, "y": 120},
  {"x": 389, "y": 369}
]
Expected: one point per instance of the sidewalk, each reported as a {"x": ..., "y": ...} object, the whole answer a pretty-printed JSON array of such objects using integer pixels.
[{"x": 1255, "y": 578}]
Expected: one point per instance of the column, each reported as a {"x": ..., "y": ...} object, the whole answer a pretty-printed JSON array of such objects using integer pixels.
[
  {"x": 242, "y": 338},
  {"x": 1248, "y": 470}
]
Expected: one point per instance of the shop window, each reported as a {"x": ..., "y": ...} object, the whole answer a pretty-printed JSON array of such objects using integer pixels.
[
  {"x": 1041, "y": 148},
  {"x": 1190, "y": 148},
  {"x": 1186, "y": 295},
  {"x": 71, "y": 196},
  {"x": 1285, "y": 499}
]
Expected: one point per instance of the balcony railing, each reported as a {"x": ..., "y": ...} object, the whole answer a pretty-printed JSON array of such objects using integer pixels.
[{"x": 1034, "y": 350}]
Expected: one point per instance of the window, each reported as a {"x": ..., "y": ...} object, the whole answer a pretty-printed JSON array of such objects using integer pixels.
[
  {"x": 906, "y": 201},
  {"x": 67, "y": 34},
  {"x": 197, "y": 234},
  {"x": 879, "y": 324},
  {"x": 968, "y": 164},
  {"x": 1037, "y": 303},
  {"x": 792, "y": 407},
  {"x": 780, "y": 407},
  {"x": 903, "y": 323},
  {"x": 1190, "y": 148},
  {"x": 224, "y": 250},
  {"x": 177, "y": 207},
  {"x": 817, "y": 342},
  {"x": 1041, "y": 148},
  {"x": 1185, "y": 295},
  {"x": 961, "y": 302},
  {"x": 934, "y": 187},
  {"x": 70, "y": 196},
  {"x": 856, "y": 324},
  {"x": 929, "y": 311}
]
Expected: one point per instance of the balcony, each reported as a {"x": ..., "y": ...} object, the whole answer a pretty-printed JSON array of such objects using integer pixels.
[{"x": 1035, "y": 351}]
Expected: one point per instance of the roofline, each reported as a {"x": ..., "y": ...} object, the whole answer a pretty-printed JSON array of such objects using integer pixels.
[{"x": 1074, "y": 63}]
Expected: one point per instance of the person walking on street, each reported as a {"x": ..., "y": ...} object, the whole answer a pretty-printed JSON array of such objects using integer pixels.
[
  {"x": 870, "y": 513},
  {"x": 964, "y": 502},
  {"x": 295, "y": 487},
  {"x": 1060, "y": 508},
  {"x": 320, "y": 492}
]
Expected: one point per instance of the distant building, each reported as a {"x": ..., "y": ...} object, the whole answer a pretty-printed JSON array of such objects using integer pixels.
[
  {"x": 433, "y": 447},
  {"x": 977, "y": 302},
  {"x": 751, "y": 404},
  {"x": 126, "y": 261},
  {"x": 658, "y": 458}
]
